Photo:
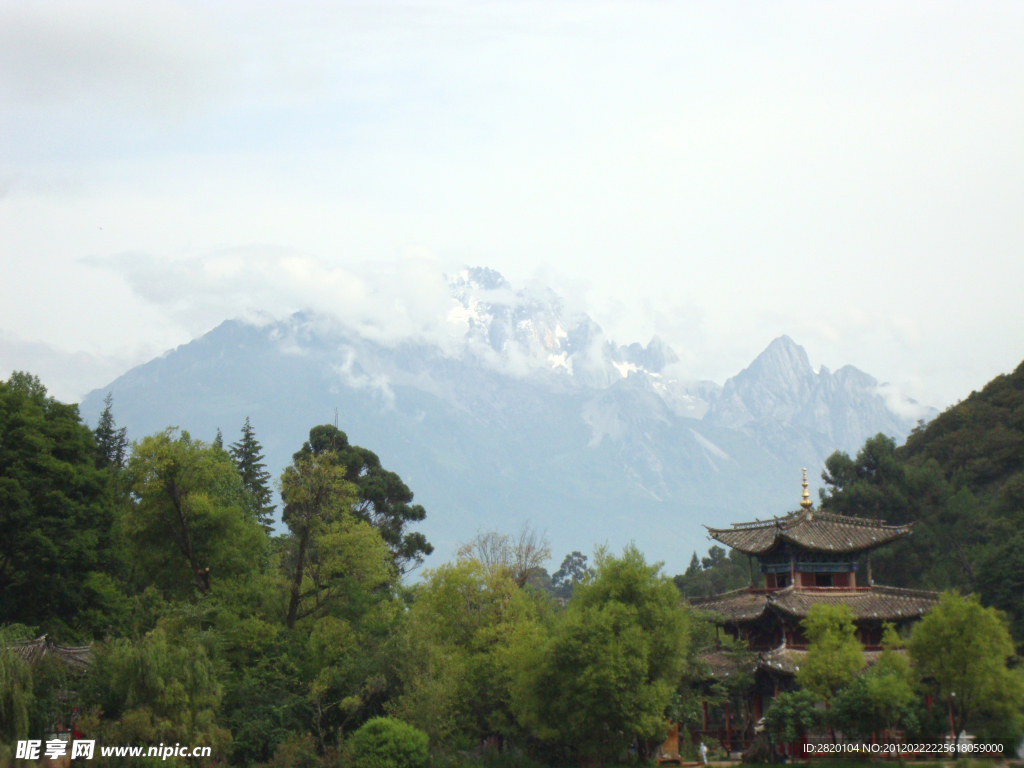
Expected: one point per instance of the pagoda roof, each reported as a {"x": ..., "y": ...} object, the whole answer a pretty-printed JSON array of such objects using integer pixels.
[
  {"x": 787, "y": 661},
  {"x": 738, "y": 606},
  {"x": 809, "y": 530},
  {"x": 876, "y": 602},
  {"x": 720, "y": 664},
  {"x": 34, "y": 651},
  {"x": 782, "y": 661}
]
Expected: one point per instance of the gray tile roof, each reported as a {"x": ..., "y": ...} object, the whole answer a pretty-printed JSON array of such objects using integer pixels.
[
  {"x": 783, "y": 661},
  {"x": 816, "y": 531},
  {"x": 877, "y": 602},
  {"x": 787, "y": 661},
  {"x": 34, "y": 651}
]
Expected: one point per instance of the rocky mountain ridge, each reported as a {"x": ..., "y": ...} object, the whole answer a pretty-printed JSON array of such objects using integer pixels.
[{"x": 533, "y": 415}]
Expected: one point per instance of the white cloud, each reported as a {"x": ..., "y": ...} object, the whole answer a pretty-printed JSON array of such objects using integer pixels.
[
  {"x": 148, "y": 57},
  {"x": 385, "y": 302},
  {"x": 902, "y": 405},
  {"x": 717, "y": 173},
  {"x": 377, "y": 383}
]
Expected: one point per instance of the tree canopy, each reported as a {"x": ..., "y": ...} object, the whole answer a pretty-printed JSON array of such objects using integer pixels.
[
  {"x": 187, "y": 523},
  {"x": 382, "y": 499},
  {"x": 963, "y": 649},
  {"x": 607, "y": 670},
  {"x": 55, "y": 512},
  {"x": 960, "y": 480}
]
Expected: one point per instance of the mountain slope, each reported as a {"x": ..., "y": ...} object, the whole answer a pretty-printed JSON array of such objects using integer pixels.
[{"x": 532, "y": 415}]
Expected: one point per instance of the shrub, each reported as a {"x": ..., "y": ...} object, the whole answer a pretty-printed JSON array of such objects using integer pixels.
[
  {"x": 299, "y": 751},
  {"x": 385, "y": 742}
]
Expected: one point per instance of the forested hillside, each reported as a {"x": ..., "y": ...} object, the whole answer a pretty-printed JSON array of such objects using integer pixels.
[{"x": 960, "y": 480}]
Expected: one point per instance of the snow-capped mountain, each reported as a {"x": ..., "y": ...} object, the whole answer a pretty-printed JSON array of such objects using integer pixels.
[{"x": 530, "y": 413}]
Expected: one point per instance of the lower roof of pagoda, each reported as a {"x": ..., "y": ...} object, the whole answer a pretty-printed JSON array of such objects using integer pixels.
[
  {"x": 747, "y": 605},
  {"x": 781, "y": 661},
  {"x": 77, "y": 658}
]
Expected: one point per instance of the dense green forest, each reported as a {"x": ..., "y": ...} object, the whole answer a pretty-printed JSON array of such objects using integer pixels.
[
  {"x": 960, "y": 481},
  {"x": 311, "y": 647}
]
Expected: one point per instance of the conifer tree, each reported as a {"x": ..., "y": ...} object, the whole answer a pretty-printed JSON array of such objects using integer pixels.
[
  {"x": 218, "y": 440},
  {"x": 694, "y": 567},
  {"x": 111, "y": 441},
  {"x": 248, "y": 457}
]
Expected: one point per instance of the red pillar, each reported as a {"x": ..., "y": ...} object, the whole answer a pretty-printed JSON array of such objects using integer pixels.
[{"x": 728, "y": 728}]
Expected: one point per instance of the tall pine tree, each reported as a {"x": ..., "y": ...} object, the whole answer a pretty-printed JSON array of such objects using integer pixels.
[
  {"x": 248, "y": 457},
  {"x": 112, "y": 443}
]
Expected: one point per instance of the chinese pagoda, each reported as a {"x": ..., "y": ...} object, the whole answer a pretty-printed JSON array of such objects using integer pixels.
[{"x": 807, "y": 557}]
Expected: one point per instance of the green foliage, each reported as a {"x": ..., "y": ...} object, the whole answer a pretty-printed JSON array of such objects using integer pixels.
[
  {"x": 187, "y": 524},
  {"x": 885, "y": 697},
  {"x": 963, "y": 649},
  {"x": 834, "y": 654},
  {"x": 16, "y": 697},
  {"x": 573, "y": 570},
  {"x": 981, "y": 439},
  {"x": 299, "y": 750},
  {"x": 111, "y": 441},
  {"x": 385, "y": 742},
  {"x": 607, "y": 672},
  {"x": 277, "y": 651},
  {"x": 454, "y": 657},
  {"x": 317, "y": 497},
  {"x": 246, "y": 454},
  {"x": 790, "y": 716},
  {"x": 166, "y": 556},
  {"x": 382, "y": 499},
  {"x": 54, "y": 510},
  {"x": 960, "y": 480},
  {"x": 264, "y": 705},
  {"x": 155, "y": 689},
  {"x": 717, "y": 573},
  {"x": 1000, "y": 580},
  {"x": 490, "y": 757}
]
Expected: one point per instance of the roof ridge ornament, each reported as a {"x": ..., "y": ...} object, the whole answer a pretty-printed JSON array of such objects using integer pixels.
[{"x": 805, "y": 501}]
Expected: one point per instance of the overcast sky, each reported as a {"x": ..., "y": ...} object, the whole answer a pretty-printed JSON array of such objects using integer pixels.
[{"x": 719, "y": 174}]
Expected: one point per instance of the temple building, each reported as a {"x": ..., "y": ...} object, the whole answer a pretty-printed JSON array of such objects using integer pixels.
[{"x": 807, "y": 557}]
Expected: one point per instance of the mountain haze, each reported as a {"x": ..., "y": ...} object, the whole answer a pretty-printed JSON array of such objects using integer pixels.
[{"x": 523, "y": 411}]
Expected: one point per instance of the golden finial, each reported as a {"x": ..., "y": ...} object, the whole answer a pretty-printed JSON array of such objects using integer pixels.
[{"x": 805, "y": 502}]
